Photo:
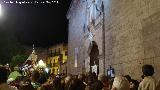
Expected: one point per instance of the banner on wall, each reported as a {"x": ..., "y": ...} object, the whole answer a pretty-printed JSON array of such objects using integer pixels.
[
  {"x": 94, "y": 69},
  {"x": 110, "y": 72},
  {"x": 75, "y": 57}
]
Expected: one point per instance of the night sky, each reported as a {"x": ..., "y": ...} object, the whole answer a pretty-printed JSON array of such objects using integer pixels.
[{"x": 41, "y": 24}]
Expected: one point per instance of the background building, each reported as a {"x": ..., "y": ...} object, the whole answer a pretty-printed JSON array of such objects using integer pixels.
[
  {"x": 57, "y": 58},
  {"x": 121, "y": 34}
]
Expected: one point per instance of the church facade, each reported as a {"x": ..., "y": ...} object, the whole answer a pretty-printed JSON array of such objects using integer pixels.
[{"x": 122, "y": 35}]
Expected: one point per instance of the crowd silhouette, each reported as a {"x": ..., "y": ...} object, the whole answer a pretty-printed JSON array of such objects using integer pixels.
[{"x": 41, "y": 81}]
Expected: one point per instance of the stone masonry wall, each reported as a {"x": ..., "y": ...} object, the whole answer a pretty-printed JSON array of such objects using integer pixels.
[
  {"x": 75, "y": 39},
  {"x": 132, "y": 35}
]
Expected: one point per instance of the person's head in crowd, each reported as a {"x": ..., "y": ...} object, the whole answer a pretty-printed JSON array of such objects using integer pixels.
[
  {"x": 57, "y": 80},
  {"x": 90, "y": 80},
  {"x": 25, "y": 84},
  {"x": 42, "y": 79},
  {"x": 27, "y": 87},
  {"x": 67, "y": 79},
  {"x": 148, "y": 70},
  {"x": 16, "y": 68},
  {"x": 128, "y": 78},
  {"x": 134, "y": 84},
  {"x": 3, "y": 75},
  {"x": 35, "y": 76},
  {"x": 94, "y": 76},
  {"x": 120, "y": 83},
  {"x": 102, "y": 78},
  {"x": 81, "y": 77}
]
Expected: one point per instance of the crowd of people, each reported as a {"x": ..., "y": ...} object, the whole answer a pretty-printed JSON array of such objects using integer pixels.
[{"x": 41, "y": 81}]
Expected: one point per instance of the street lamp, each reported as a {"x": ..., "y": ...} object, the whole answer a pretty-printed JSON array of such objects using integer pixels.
[
  {"x": 0, "y": 10},
  {"x": 47, "y": 70}
]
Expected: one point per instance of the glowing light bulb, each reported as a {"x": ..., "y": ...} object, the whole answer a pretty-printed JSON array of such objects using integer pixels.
[
  {"x": 47, "y": 70},
  {"x": 11, "y": 2},
  {"x": 0, "y": 10}
]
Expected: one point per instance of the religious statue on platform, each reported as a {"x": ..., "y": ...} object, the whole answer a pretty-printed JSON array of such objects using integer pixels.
[{"x": 34, "y": 57}]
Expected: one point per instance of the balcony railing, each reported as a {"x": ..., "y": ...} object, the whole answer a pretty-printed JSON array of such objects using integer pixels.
[{"x": 54, "y": 54}]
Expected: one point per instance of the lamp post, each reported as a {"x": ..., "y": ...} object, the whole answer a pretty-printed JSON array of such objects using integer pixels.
[
  {"x": 0, "y": 10},
  {"x": 41, "y": 64}
]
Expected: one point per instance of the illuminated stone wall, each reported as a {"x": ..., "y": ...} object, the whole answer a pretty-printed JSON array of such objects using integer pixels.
[
  {"x": 75, "y": 38},
  {"x": 132, "y": 35}
]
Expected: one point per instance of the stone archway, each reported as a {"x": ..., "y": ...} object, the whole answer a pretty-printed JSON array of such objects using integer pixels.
[{"x": 94, "y": 53}]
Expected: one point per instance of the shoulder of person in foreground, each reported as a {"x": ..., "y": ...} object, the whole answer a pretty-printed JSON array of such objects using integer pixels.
[{"x": 158, "y": 85}]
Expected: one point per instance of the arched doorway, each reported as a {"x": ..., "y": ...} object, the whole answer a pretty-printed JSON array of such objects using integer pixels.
[{"x": 94, "y": 53}]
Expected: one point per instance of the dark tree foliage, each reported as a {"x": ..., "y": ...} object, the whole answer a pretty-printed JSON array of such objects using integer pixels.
[
  {"x": 18, "y": 60},
  {"x": 9, "y": 46}
]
